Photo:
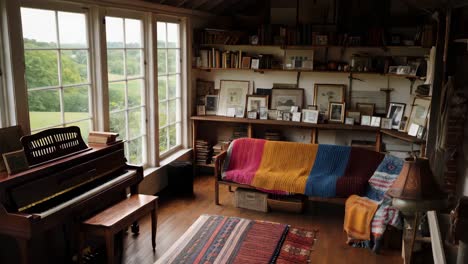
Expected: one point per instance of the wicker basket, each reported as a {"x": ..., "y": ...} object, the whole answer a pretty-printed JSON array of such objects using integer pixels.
[
  {"x": 292, "y": 205},
  {"x": 251, "y": 199}
]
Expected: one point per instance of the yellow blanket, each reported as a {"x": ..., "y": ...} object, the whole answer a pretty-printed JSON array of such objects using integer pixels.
[
  {"x": 285, "y": 166},
  {"x": 358, "y": 217}
]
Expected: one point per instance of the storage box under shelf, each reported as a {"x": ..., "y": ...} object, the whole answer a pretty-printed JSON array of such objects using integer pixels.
[
  {"x": 286, "y": 204},
  {"x": 251, "y": 199}
]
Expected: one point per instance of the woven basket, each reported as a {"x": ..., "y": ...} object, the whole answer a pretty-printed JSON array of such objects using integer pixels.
[{"x": 251, "y": 199}]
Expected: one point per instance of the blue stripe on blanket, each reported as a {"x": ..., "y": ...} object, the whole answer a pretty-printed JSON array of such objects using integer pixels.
[{"x": 329, "y": 166}]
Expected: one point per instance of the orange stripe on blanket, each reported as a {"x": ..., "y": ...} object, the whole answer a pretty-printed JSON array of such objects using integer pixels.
[
  {"x": 358, "y": 217},
  {"x": 285, "y": 166}
]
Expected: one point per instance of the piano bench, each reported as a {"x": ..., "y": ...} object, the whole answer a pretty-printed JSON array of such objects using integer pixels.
[{"x": 117, "y": 218}]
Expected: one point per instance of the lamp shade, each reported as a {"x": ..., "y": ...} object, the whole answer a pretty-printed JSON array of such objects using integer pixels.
[{"x": 416, "y": 182}]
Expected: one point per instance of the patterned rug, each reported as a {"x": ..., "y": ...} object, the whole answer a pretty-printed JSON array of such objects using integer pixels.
[{"x": 221, "y": 239}]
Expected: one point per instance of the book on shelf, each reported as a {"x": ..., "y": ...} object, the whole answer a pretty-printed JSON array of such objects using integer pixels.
[{"x": 97, "y": 137}]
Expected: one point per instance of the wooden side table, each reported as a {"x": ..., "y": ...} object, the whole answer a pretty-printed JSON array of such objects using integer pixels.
[{"x": 116, "y": 218}]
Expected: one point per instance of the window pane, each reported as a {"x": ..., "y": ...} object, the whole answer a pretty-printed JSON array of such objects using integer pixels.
[
  {"x": 116, "y": 96},
  {"x": 114, "y": 32},
  {"x": 74, "y": 66},
  {"x": 173, "y": 86},
  {"x": 135, "y": 91},
  {"x": 173, "y": 61},
  {"x": 115, "y": 64},
  {"x": 76, "y": 103},
  {"x": 41, "y": 68},
  {"x": 172, "y": 136},
  {"x": 72, "y": 30},
  {"x": 162, "y": 89},
  {"x": 44, "y": 108},
  {"x": 161, "y": 61},
  {"x": 162, "y": 114},
  {"x": 161, "y": 28},
  {"x": 134, "y": 63},
  {"x": 39, "y": 28},
  {"x": 163, "y": 142},
  {"x": 133, "y": 33},
  {"x": 117, "y": 124},
  {"x": 135, "y": 151},
  {"x": 135, "y": 123},
  {"x": 172, "y": 111},
  {"x": 172, "y": 35},
  {"x": 84, "y": 128}
]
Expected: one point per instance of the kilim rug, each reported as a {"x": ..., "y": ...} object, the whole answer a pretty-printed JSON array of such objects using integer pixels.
[{"x": 221, "y": 239}]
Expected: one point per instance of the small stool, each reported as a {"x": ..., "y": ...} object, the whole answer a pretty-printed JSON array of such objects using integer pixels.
[{"x": 116, "y": 218}]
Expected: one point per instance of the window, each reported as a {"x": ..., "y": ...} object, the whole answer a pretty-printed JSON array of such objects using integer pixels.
[
  {"x": 58, "y": 78},
  {"x": 127, "y": 93},
  {"x": 169, "y": 86}
]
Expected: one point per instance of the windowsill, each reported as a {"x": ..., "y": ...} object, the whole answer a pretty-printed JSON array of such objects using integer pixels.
[{"x": 167, "y": 160}]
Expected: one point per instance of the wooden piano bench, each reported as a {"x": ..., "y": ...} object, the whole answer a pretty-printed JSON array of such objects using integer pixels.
[{"x": 117, "y": 218}]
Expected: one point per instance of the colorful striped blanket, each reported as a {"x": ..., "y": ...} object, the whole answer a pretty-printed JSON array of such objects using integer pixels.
[
  {"x": 221, "y": 239},
  {"x": 291, "y": 167}
]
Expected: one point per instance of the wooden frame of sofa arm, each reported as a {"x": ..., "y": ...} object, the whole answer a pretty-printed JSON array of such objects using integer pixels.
[{"x": 218, "y": 163}]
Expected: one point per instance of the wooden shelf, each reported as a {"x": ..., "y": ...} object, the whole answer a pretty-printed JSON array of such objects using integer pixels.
[
  {"x": 205, "y": 165},
  {"x": 402, "y": 136}
]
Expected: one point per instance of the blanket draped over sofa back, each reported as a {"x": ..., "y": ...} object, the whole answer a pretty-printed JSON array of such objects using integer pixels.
[{"x": 291, "y": 167}]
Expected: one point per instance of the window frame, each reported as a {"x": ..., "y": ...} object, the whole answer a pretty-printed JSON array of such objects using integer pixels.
[{"x": 3, "y": 92}]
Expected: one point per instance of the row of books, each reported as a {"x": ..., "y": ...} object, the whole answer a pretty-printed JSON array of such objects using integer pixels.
[
  {"x": 104, "y": 138},
  {"x": 219, "y": 36},
  {"x": 204, "y": 152},
  {"x": 215, "y": 58}
]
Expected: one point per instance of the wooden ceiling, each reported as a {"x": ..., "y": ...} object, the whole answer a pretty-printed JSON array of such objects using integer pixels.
[{"x": 218, "y": 7}]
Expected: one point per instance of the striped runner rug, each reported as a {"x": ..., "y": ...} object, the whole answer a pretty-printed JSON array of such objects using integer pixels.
[{"x": 221, "y": 239}]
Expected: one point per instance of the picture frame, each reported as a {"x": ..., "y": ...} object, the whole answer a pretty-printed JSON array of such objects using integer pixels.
[
  {"x": 279, "y": 115},
  {"x": 312, "y": 107},
  {"x": 15, "y": 161},
  {"x": 264, "y": 113},
  {"x": 286, "y": 116},
  {"x": 294, "y": 109},
  {"x": 349, "y": 121},
  {"x": 386, "y": 123},
  {"x": 419, "y": 111},
  {"x": 355, "y": 115},
  {"x": 211, "y": 104},
  {"x": 336, "y": 112},
  {"x": 365, "y": 120},
  {"x": 375, "y": 121},
  {"x": 365, "y": 108},
  {"x": 231, "y": 112},
  {"x": 395, "y": 112},
  {"x": 310, "y": 116},
  {"x": 296, "y": 117},
  {"x": 254, "y": 102},
  {"x": 421, "y": 132},
  {"x": 201, "y": 110},
  {"x": 9, "y": 141},
  {"x": 326, "y": 93},
  {"x": 245, "y": 62},
  {"x": 413, "y": 129},
  {"x": 403, "y": 124},
  {"x": 232, "y": 94},
  {"x": 282, "y": 99},
  {"x": 272, "y": 114},
  {"x": 252, "y": 114},
  {"x": 255, "y": 64}
]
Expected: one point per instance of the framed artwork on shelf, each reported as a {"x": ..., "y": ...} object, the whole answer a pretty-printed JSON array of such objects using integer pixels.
[
  {"x": 396, "y": 111},
  {"x": 286, "y": 116},
  {"x": 413, "y": 129},
  {"x": 15, "y": 161},
  {"x": 365, "y": 108},
  {"x": 326, "y": 93},
  {"x": 386, "y": 123},
  {"x": 283, "y": 99},
  {"x": 403, "y": 124},
  {"x": 365, "y": 120},
  {"x": 254, "y": 102},
  {"x": 245, "y": 63},
  {"x": 337, "y": 112},
  {"x": 310, "y": 116},
  {"x": 201, "y": 110},
  {"x": 349, "y": 121},
  {"x": 263, "y": 113},
  {"x": 419, "y": 111},
  {"x": 252, "y": 114},
  {"x": 296, "y": 117},
  {"x": 312, "y": 107},
  {"x": 255, "y": 64},
  {"x": 211, "y": 104},
  {"x": 9, "y": 141},
  {"x": 421, "y": 132},
  {"x": 272, "y": 114},
  {"x": 355, "y": 115},
  {"x": 233, "y": 94},
  {"x": 231, "y": 112},
  {"x": 375, "y": 121},
  {"x": 294, "y": 109}
]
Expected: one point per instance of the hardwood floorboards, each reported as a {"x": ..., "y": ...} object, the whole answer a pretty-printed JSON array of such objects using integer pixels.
[{"x": 175, "y": 215}]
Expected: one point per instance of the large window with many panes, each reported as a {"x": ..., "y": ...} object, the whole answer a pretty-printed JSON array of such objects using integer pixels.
[
  {"x": 169, "y": 85},
  {"x": 57, "y": 55},
  {"x": 126, "y": 77}
]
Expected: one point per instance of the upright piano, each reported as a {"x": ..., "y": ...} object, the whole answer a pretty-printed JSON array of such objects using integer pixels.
[{"x": 67, "y": 183}]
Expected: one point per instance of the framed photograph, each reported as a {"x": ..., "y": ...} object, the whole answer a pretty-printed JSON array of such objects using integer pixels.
[
  {"x": 252, "y": 114},
  {"x": 279, "y": 115},
  {"x": 393, "y": 69},
  {"x": 211, "y": 104},
  {"x": 254, "y": 102},
  {"x": 413, "y": 129},
  {"x": 403, "y": 70},
  {"x": 312, "y": 107},
  {"x": 283, "y": 99},
  {"x": 326, "y": 93},
  {"x": 15, "y": 161},
  {"x": 286, "y": 116},
  {"x": 294, "y": 109},
  {"x": 375, "y": 121},
  {"x": 419, "y": 111},
  {"x": 396, "y": 111},
  {"x": 263, "y": 113},
  {"x": 355, "y": 115},
  {"x": 365, "y": 108},
  {"x": 421, "y": 132},
  {"x": 365, "y": 120},
  {"x": 272, "y": 114},
  {"x": 337, "y": 112},
  {"x": 245, "y": 63},
  {"x": 403, "y": 123},
  {"x": 201, "y": 110},
  {"x": 231, "y": 112},
  {"x": 310, "y": 116},
  {"x": 349, "y": 121},
  {"x": 296, "y": 117},
  {"x": 255, "y": 64},
  {"x": 9, "y": 141},
  {"x": 232, "y": 94},
  {"x": 386, "y": 123}
]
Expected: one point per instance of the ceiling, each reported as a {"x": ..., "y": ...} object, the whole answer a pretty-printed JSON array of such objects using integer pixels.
[{"x": 217, "y": 7}]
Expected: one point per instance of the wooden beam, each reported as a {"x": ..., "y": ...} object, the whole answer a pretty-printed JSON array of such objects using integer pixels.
[
  {"x": 198, "y": 3},
  {"x": 222, "y": 6},
  {"x": 211, "y": 4}
]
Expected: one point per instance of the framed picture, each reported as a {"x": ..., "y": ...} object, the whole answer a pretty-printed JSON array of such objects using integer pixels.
[
  {"x": 263, "y": 113},
  {"x": 386, "y": 123},
  {"x": 396, "y": 111},
  {"x": 245, "y": 63},
  {"x": 403, "y": 123},
  {"x": 272, "y": 114},
  {"x": 355, "y": 115},
  {"x": 375, "y": 121},
  {"x": 232, "y": 94},
  {"x": 349, "y": 121},
  {"x": 279, "y": 115},
  {"x": 255, "y": 64},
  {"x": 312, "y": 107},
  {"x": 254, "y": 102},
  {"x": 252, "y": 114},
  {"x": 413, "y": 129},
  {"x": 392, "y": 69},
  {"x": 283, "y": 99},
  {"x": 421, "y": 132},
  {"x": 294, "y": 109},
  {"x": 201, "y": 110},
  {"x": 296, "y": 117},
  {"x": 231, "y": 112},
  {"x": 211, "y": 104},
  {"x": 15, "y": 161},
  {"x": 9, "y": 141},
  {"x": 365, "y": 120},
  {"x": 337, "y": 112},
  {"x": 310, "y": 116},
  {"x": 286, "y": 116},
  {"x": 326, "y": 93},
  {"x": 419, "y": 111},
  {"x": 365, "y": 108}
]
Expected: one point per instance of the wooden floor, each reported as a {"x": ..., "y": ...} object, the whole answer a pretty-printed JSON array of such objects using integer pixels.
[{"x": 175, "y": 215}]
